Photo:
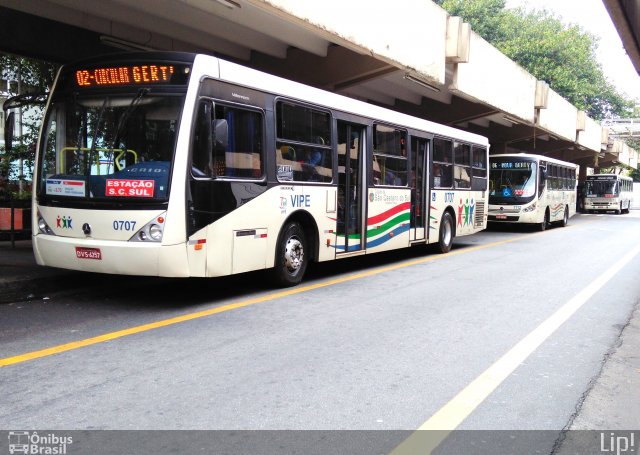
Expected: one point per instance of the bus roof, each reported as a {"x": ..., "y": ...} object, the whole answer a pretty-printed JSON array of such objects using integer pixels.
[{"x": 622, "y": 177}]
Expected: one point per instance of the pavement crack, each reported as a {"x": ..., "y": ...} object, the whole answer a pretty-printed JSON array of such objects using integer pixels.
[{"x": 593, "y": 381}]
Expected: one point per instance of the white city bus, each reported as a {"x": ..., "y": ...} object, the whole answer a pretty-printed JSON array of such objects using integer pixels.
[
  {"x": 532, "y": 189},
  {"x": 605, "y": 192},
  {"x": 173, "y": 164}
]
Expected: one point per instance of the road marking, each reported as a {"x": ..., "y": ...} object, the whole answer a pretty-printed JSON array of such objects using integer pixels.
[
  {"x": 245, "y": 303},
  {"x": 452, "y": 414}
]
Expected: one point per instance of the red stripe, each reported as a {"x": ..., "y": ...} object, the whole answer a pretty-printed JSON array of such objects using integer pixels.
[
  {"x": 389, "y": 213},
  {"x": 67, "y": 182}
]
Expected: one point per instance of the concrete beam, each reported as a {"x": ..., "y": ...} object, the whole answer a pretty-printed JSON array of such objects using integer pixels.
[{"x": 340, "y": 69}]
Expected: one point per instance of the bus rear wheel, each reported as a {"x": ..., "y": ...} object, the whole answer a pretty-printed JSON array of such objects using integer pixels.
[
  {"x": 565, "y": 218},
  {"x": 445, "y": 237},
  {"x": 291, "y": 262}
]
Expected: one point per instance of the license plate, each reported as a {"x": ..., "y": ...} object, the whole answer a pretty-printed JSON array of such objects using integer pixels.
[
  {"x": 88, "y": 253},
  {"x": 501, "y": 217}
]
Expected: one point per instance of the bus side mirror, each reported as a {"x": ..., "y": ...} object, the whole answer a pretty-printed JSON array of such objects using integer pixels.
[
  {"x": 9, "y": 125},
  {"x": 221, "y": 134}
]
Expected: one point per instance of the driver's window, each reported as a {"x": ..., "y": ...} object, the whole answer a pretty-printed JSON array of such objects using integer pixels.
[{"x": 227, "y": 142}]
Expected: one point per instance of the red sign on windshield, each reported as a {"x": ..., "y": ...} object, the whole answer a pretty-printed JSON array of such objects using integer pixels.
[{"x": 130, "y": 188}]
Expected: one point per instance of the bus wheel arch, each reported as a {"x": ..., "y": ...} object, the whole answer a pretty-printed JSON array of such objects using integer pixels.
[
  {"x": 545, "y": 221},
  {"x": 447, "y": 230},
  {"x": 296, "y": 245}
]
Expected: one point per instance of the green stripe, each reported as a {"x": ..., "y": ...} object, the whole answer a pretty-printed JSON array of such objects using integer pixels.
[
  {"x": 389, "y": 225},
  {"x": 383, "y": 228}
]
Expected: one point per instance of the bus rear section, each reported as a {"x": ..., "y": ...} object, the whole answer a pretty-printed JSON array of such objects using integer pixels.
[
  {"x": 531, "y": 189},
  {"x": 608, "y": 192}
]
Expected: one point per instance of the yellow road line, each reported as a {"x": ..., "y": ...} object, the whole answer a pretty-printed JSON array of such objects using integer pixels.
[
  {"x": 245, "y": 303},
  {"x": 432, "y": 432}
]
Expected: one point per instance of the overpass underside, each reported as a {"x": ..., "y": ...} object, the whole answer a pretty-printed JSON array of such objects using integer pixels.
[{"x": 411, "y": 57}]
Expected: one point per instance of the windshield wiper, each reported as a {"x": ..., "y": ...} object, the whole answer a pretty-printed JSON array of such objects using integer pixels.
[
  {"x": 92, "y": 150},
  {"x": 126, "y": 114}
]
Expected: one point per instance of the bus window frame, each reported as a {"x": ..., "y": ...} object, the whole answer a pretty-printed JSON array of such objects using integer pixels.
[
  {"x": 404, "y": 137},
  {"x": 330, "y": 148},
  {"x": 443, "y": 164},
  {"x": 263, "y": 153}
]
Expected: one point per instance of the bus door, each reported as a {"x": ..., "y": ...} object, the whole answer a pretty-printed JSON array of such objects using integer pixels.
[
  {"x": 420, "y": 148},
  {"x": 351, "y": 207}
]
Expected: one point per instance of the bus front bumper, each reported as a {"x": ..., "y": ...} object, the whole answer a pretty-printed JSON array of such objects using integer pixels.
[{"x": 114, "y": 257}]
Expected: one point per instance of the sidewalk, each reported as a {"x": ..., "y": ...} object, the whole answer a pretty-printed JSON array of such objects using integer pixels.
[{"x": 22, "y": 279}]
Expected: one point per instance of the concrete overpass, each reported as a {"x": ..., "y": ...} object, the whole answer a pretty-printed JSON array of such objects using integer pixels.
[{"x": 412, "y": 57}]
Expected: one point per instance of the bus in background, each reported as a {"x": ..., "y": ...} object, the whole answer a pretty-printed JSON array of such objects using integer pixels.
[
  {"x": 532, "y": 189},
  {"x": 605, "y": 192},
  {"x": 178, "y": 165}
]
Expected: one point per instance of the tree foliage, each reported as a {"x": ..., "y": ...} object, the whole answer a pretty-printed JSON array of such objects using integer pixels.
[
  {"x": 35, "y": 76},
  {"x": 562, "y": 55}
]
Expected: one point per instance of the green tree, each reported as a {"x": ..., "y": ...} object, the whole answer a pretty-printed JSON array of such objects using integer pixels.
[
  {"x": 22, "y": 76},
  {"x": 562, "y": 55}
]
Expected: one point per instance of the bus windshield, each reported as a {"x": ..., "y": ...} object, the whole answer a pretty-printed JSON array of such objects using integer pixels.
[
  {"x": 602, "y": 188},
  {"x": 109, "y": 147},
  {"x": 512, "y": 181}
]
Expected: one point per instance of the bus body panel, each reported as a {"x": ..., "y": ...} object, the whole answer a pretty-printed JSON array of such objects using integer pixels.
[
  {"x": 246, "y": 239},
  {"x": 468, "y": 209},
  {"x": 119, "y": 225},
  {"x": 126, "y": 258},
  {"x": 387, "y": 226}
]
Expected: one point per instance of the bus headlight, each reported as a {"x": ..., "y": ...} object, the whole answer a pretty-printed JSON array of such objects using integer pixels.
[
  {"x": 43, "y": 227},
  {"x": 531, "y": 208},
  {"x": 152, "y": 231},
  {"x": 155, "y": 232}
]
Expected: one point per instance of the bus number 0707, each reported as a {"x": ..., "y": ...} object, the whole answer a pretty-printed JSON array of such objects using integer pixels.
[{"x": 119, "y": 225}]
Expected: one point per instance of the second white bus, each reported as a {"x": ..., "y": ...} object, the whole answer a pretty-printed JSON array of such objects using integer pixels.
[
  {"x": 608, "y": 192},
  {"x": 531, "y": 189}
]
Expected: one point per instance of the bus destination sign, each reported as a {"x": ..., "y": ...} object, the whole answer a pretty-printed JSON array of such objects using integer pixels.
[
  {"x": 143, "y": 74},
  {"x": 511, "y": 164}
]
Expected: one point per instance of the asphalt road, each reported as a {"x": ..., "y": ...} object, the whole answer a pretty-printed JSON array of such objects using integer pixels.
[{"x": 507, "y": 332}]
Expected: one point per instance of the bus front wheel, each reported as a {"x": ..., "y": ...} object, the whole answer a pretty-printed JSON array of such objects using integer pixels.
[
  {"x": 291, "y": 262},
  {"x": 545, "y": 222},
  {"x": 445, "y": 238}
]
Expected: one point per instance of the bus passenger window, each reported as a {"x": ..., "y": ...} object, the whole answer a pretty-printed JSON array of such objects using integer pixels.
[
  {"x": 303, "y": 144},
  {"x": 442, "y": 168},
  {"x": 390, "y": 164}
]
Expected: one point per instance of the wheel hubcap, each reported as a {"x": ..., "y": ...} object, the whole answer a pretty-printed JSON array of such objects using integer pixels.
[
  {"x": 446, "y": 233},
  {"x": 293, "y": 254}
]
